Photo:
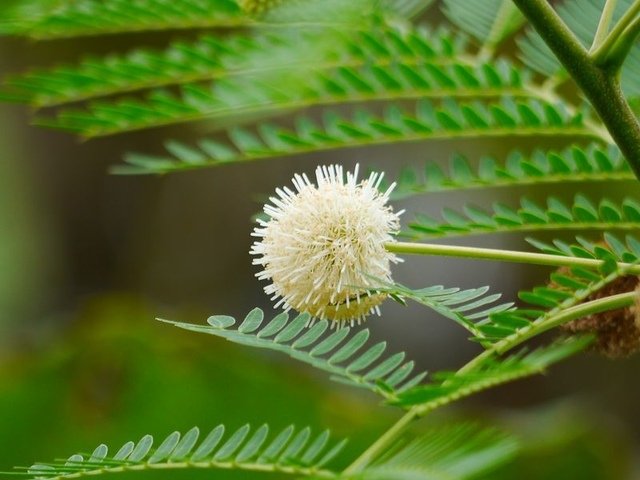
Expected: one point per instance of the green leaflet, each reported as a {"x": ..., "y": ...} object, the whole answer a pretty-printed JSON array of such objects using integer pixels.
[
  {"x": 212, "y": 57},
  {"x": 215, "y": 82},
  {"x": 260, "y": 92},
  {"x": 15, "y": 14},
  {"x": 469, "y": 308},
  {"x": 497, "y": 326},
  {"x": 343, "y": 354},
  {"x": 583, "y": 214},
  {"x": 574, "y": 164},
  {"x": 288, "y": 452},
  {"x": 95, "y": 17},
  {"x": 613, "y": 249},
  {"x": 450, "y": 386},
  {"x": 566, "y": 289},
  {"x": 407, "y": 8},
  {"x": 451, "y": 120},
  {"x": 488, "y": 21},
  {"x": 452, "y": 452}
]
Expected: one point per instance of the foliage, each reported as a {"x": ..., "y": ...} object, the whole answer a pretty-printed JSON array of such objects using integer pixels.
[
  {"x": 462, "y": 452},
  {"x": 582, "y": 214},
  {"x": 540, "y": 167},
  {"x": 65, "y": 19},
  {"x": 386, "y": 377},
  {"x": 449, "y": 386},
  {"x": 257, "y": 79},
  {"x": 583, "y": 18},
  {"x": 289, "y": 451}
]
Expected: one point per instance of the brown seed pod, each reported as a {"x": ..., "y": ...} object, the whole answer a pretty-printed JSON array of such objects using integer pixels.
[{"x": 617, "y": 331}]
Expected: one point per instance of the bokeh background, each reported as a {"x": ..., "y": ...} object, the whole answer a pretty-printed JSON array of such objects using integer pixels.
[{"x": 89, "y": 259}]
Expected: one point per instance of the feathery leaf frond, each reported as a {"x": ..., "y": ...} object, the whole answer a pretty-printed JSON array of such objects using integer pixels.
[
  {"x": 407, "y": 8},
  {"x": 498, "y": 326},
  {"x": 452, "y": 386},
  {"x": 581, "y": 215},
  {"x": 469, "y": 308},
  {"x": 452, "y": 120},
  {"x": 211, "y": 57},
  {"x": 566, "y": 290},
  {"x": 612, "y": 249},
  {"x": 249, "y": 95},
  {"x": 289, "y": 452},
  {"x": 574, "y": 164},
  {"x": 488, "y": 21},
  {"x": 97, "y": 17},
  {"x": 457, "y": 452},
  {"x": 339, "y": 352},
  {"x": 14, "y": 16}
]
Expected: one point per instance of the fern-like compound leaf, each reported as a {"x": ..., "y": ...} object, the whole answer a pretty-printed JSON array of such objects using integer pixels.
[
  {"x": 451, "y": 386},
  {"x": 495, "y": 325},
  {"x": 490, "y": 22},
  {"x": 340, "y": 352},
  {"x": 611, "y": 249},
  {"x": 14, "y": 16},
  {"x": 467, "y": 307},
  {"x": 212, "y": 57},
  {"x": 505, "y": 118},
  {"x": 291, "y": 451},
  {"x": 583, "y": 214},
  {"x": 574, "y": 164},
  {"x": 97, "y": 17},
  {"x": 458, "y": 452},
  {"x": 407, "y": 8},
  {"x": 564, "y": 291},
  {"x": 254, "y": 95}
]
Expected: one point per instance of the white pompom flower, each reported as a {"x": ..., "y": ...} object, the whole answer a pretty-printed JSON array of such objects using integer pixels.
[{"x": 323, "y": 247}]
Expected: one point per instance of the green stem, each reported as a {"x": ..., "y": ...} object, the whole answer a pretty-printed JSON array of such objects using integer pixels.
[
  {"x": 500, "y": 255},
  {"x": 603, "y": 90},
  {"x": 613, "y": 302},
  {"x": 582, "y": 310},
  {"x": 254, "y": 467},
  {"x": 603, "y": 25},
  {"x": 620, "y": 50},
  {"x": 382, "y": 443},
  {"x": 600, "y": 85},
  {"x": 601, "y": 53}
]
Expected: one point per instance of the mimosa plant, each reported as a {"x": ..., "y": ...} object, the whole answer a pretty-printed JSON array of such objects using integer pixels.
[{"x": 327, "y": 246}]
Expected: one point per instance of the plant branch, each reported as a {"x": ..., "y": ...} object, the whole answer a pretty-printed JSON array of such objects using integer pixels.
[
  {"x": 382, "y": 443},
  {"x": 500, "y": 255},
  {"x": 579, "y": 311},
  {"x": 601, "y": 54},
  {"x": 254, "y": 467},
  {"x": 600, "y": 85},
  {"x": 620, "y": 50},
  {"x": 603, "y": 25},
  {"x": 582, "y": 310}
]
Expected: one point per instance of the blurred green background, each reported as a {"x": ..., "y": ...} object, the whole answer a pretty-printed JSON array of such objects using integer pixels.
[{"x": 88, "y": 260}]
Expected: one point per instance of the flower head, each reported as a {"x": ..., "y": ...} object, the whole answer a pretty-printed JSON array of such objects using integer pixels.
[{"x": 323, "y": 246}]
